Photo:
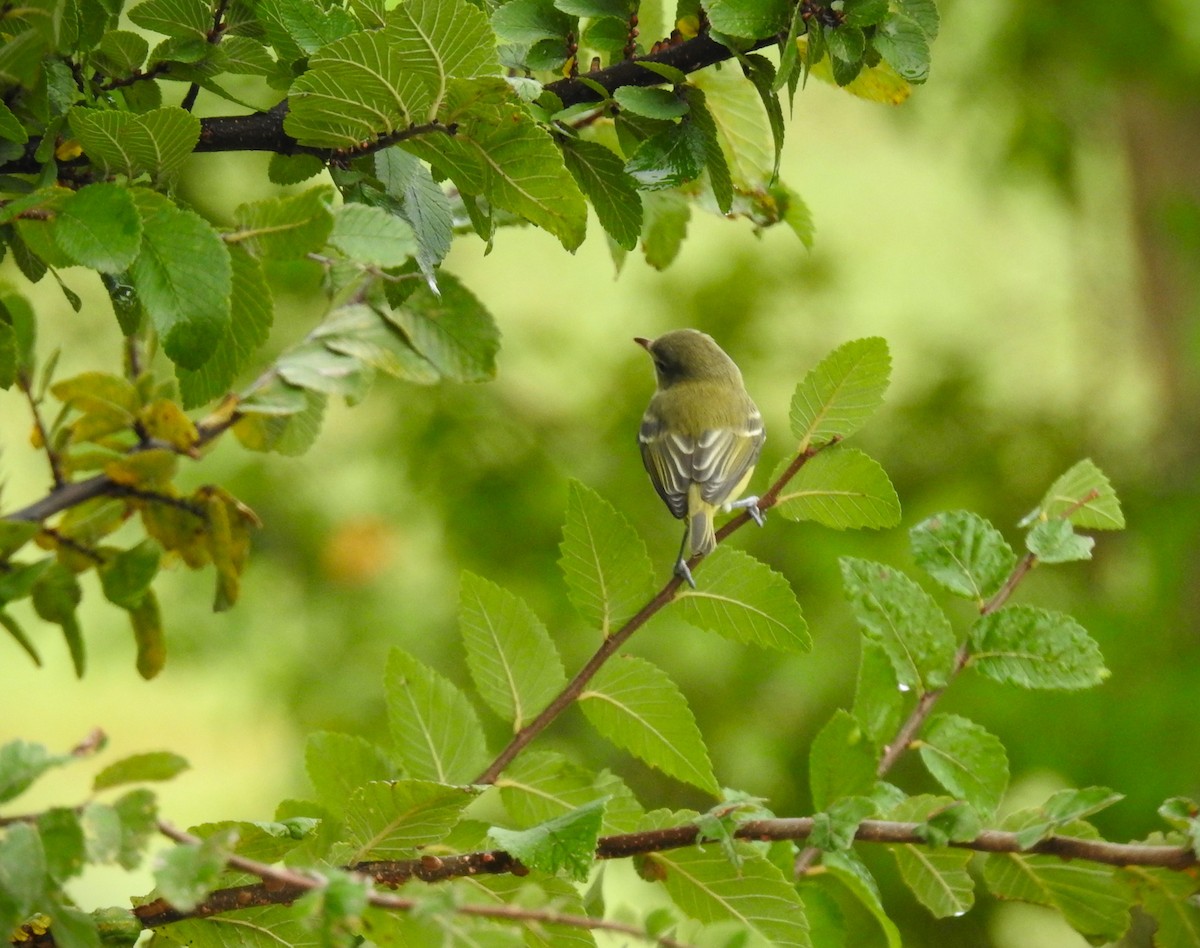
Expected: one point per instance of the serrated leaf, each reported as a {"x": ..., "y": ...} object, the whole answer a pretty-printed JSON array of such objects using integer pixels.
[
  {"x": 837, "y": 397},
  {"x": 251, "y": 313},
  {"x": 155, "y": 142},
  {"x": 22, "y": 873},
  {"x": 394, "y": 819},
  {"x": 841, "y": 761},
  {"x": 601, "y": 176},
  {"x": 745, "y": 600},
  {"x": 636, "y": 706},
  {"x": 708, "y": 887},
  {"x": 298, "y": 29},
  {"x": 525, "y": 22},
  {"x": 1054, "y": 541},
  {"x": 963, "y": 552},
  {"x": 21, "y": 763},
  {"x": 286, "y": 227},
  {"x": 903, "y": 43},
  {"x": 603, "y": 560},
  {"x": 372, "y": 237},
  {"x": 539, "y": 786},
  {"x": 1035, "y": 648},
  {"x": 369, "y": 84},
  {"x": 98, "y": 226},
  {"x": 423, "y": 204},
  {"x": 1063, "y": 807},
  {"x": 966, "y": 759},
  {"x": 668, "y": 159},
  {"x": 878, "y": 701},
  {"x": 56, "y": 595},
  {"x": 184, "y": 279},
  {"x": 187, "y": 873},
  {"x": 650, "y": 101},
  {"x": 719, "y": 179},
  {"x": 1170, "y": 897},
  {"x": 366, "y": 334},
  {"x": 338, "y": 764},
  {"x": 923, "y": 12},
  {"x": 901, "y": 617},
  {"x": 1084, "y": 496},
  {"x": 937, "y": 876},
  {"x": 751, "y": 19},
  {"x": 62, "y": 842},
  {"x": 435, "y": 731},
  {"x": 842, "y": 488},
  {"x": 1088, "y": 895},
  {"x": 512, "y": 659},
  {"x": 664, "y": 226},
  {"x": 854, "y": 876},
  {"x": 137, "y": 768},
  {"x": 452, "y": 330},
  {"x": 184, "y": 18},
  {"x": 565, "y": 844}
]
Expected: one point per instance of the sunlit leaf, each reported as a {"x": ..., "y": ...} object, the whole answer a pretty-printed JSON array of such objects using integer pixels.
[
  {"x": 837, "y": 397},
  {"x": 1035, "y": 648},
  {"x": 966, "y": 759}
]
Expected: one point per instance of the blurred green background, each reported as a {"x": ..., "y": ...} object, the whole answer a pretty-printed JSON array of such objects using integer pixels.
[{"x": 1025, "y": 232}]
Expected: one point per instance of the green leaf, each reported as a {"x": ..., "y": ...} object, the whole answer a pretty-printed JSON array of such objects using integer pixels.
[
  {"x": 707, "y": 886},
  {"x": 14, "y": 534},
  {"x": 539, "y": 786},
  {"x": 966, "y": 759},
  {"x": 1170, "y": 897},
  {"x": 1083, "y": 496},
  {"x": 762, "y": 75},
  {"x": 366, "y": 334},
  {"x": 837, "y": 397},
  {"x": 512, "y": 659},
  {"x": 840, "y": 488},
  {"x": 183, "y": 18},
  {"x": 750, "y": 19},
  {"x": 923, "y": 12},
  {"x": 620, "y": 9},
  {"x": 435, "y": 731},
  {"x": 155, "y": 142},
  {"x": 370, "y": 236},
  {"x": 21, "y": 763},
  {"x": 375, "y": 83},
  {"x": 878, "y": 701},
  {"x": 297, "y": 29},
  {"x": 395, "y": 819},
  {"x": 423, "y": 204},
  {"x": 1184, "y": 815},
  {"x": 847, "y": 869},
  {"x": 865, "y": 12},
  {"x": 651, "y": 102},
  {"x": 338, "y": 764},
  {"x": 128, "y": 574},
  {"x": 148, "y": 635},
  {"x": 702, "y": 119},
  {"x": 98, "y": 226},
  {"x": 1065, "y": 807},
  {"x": 11, "y": 128},
  {"x": 635, "y": 705},
  {"x": 186, "y": 873},
  {"x": 251, "y": 312},
  {"x": 1088, "y": 895},
  {"x": 746, "y": 601},
  {"x": 288, "y": 227},
  {"x": 1055, "y": 541},
  {"x": 841, "y": 761},
  {"x": 565, "y": 844},
  {"x": 901, "y": 617},
  {"x": 963, "y": 552},
  {"x": 937, "y": 876},
  {"x": 525, "y": 22},
  {"x": 604, "y": 562},
  {"x": 55, "y": 596},
  {"x": 601, "y": 176},
  {"x": 155, "y": 765},
  {"x": 453, "y": 330},
  {"x": 22, "y": 874},
  {"x": 1035, "y": 648},
  {"x": 62, "y": 841},
  {"x": 666, "y": 216},
  {"x": 903, "y": 43},
  {"x": 184, "y": 279},
  {"x": 670, "y": 158}
]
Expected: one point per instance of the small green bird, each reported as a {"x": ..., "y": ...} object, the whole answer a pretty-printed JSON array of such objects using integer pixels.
[{"x": 700, "y": 437}]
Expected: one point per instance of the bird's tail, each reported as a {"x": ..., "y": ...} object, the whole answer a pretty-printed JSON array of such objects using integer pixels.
[{"x": 700, "y": 530}]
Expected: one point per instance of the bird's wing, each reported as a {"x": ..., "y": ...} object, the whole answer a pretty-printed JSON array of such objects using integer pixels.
[
  {"x": 716, "y": 461},
  {"x": 668, "y": 461},
  {"x": 724, "y": 456}
]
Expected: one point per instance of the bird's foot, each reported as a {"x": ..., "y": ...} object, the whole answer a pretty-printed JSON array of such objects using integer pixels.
[
  {"x": 750, "y": 505},
  {"x": 682, "y": 571}
]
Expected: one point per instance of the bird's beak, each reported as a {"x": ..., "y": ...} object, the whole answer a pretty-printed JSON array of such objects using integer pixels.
[{"x": 644, "y": 343}]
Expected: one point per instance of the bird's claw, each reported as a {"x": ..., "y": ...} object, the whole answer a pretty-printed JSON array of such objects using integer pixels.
[
  {"x": 682, "y": 571},
  {"x": 750, "y": 505}
]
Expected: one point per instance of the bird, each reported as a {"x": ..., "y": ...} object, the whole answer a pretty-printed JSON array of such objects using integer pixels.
[{"x": 700, "y": 436}]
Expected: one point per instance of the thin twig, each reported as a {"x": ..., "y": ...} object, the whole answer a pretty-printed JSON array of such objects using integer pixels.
[
  {"x": 612, "y": 643},
  {"x": 56, "y": 471}
]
